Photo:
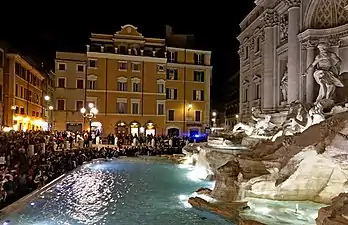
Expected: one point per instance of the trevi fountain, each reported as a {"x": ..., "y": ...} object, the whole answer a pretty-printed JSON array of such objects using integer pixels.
[{"x": 293, "y": 172}]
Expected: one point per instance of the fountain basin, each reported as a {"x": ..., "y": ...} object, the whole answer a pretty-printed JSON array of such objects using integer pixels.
[{"x": 122, "y": 191}]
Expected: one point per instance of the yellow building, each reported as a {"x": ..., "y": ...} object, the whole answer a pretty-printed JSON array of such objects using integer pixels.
[
  {"x": 137, "y": 90},
  {"x": 69, "y": 94},
  {"x": 23, "y": 95}
]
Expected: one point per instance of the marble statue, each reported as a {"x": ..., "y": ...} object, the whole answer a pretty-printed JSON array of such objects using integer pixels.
[
  {"x": 260, "y": 127},
  {"x": 326, "y": 71},
  {"x": 284, "y": 86}
]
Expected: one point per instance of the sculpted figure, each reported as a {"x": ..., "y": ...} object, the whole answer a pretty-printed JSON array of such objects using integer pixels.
[
  {"x": 326, "y": 71},
  {"x": 284, "y": 86},
  {"x": 297, "y": 121},
  {"x": 257, "y": 126}
]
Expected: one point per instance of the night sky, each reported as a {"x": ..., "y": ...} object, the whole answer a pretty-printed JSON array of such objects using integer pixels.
[{"x": 215, "y": 27}]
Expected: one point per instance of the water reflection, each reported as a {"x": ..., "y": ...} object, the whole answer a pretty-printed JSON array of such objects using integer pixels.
[
  {"x": 282, "y": 212},
  {"x": 119, "y": 192}
]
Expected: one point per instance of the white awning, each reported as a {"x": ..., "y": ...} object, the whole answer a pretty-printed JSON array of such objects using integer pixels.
[{"x": 96, "y": 124}]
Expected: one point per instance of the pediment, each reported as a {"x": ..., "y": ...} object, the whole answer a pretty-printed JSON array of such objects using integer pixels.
[
  {"x": 256, "y": 77},
  {"x": 129, "y": 30},
  {"x": 245, "y": 82},
  {"x": 92, "y": 77}
]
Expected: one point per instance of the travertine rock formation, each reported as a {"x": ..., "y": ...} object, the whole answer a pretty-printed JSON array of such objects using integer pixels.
[
  {"x": 336, "y": 213},
  {"x": 311, "y": 166}
]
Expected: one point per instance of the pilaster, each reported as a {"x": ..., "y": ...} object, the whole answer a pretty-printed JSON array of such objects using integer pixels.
[
  {"x": 271, "y": 20},
  {"x": 293, "y": 50}
]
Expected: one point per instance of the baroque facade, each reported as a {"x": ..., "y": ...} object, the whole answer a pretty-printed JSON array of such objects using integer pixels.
[
  {"x": 278, "y": 43},
  {"x": 139, "y": 85}
]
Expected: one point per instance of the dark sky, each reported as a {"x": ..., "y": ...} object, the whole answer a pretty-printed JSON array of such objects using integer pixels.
[{"x": 215, "y": 27}]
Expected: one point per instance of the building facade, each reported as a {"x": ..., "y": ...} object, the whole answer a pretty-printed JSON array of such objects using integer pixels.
[
  {"x": 23, "y": 94},
  {"x": 69, "y": 94},
  {"x": 49, "y": 84},
  {"x": 3, "y": 50},
  {"x": 139, "y": 85},
  {"x": 278, "y": 43}
]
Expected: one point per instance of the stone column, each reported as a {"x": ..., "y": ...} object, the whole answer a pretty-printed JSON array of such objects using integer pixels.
[
  {"x": 270, "y": 20},
  {"x": 309, "y": 78},
  {"x": 293, "y": 50}
]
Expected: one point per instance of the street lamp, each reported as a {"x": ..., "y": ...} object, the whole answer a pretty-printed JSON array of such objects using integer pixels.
[
  {"x": 89, "y": 113},
  {"x": 50, "y": 108},
  {"x": 47, "y": 98}
]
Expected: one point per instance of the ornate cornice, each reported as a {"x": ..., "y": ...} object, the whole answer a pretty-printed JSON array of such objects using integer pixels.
[
  {"x": 293, "y": 3},
  {"x": 271, "y": 19}
]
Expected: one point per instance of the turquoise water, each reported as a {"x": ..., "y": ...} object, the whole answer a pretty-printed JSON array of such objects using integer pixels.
[{"x": 119, "y": 192}]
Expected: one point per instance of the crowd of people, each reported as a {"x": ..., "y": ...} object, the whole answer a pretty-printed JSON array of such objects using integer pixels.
[{"x": 29, "y": 160}]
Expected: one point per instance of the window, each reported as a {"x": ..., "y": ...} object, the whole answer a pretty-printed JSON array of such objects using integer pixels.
[
  {"x": 37, "y": 114},
  {"x": 121, "y": 86},
  {"x": 92, "y": 63},
  {"x": 80, "y": 68},
  {"x": 61, "y": 66},
  {"x": 16, "y": 91},
  {"x": 245, "y": 95},
  {"x": 160, "y": 108},
  {"x": 198, "y": 116},
  {"x": 79, "y": 84},
  {"x": 61, "y": 82},
  {"x": 198, "y": 95},
  {"x": 135, "y": 108},
  {"x": 22, "y": 110},
  {"x": 121, "y": 107},
  {"x": 33, "y": 113},
  {"x": 135, "y": 67},
  {"x": 257, "y": 44},
  {"x": 160, "y": 88},
  {"x": 199, "y": 59},
  {"x": 160, "y": 68},
  {"x": 60, "y": 104},
  {"x": 257, "y": 91},
  {"x": 122, "y": 65},
  {"x": 78, "y": 105},
  {"x": 172, "y": 74},
  {"x": 198, "y": 76},
  {"x": 22, "y": 92},
  {"x": 246, "y": 52},
  {"x": 171, "y": 115},
  {"x": 91, "y": 84},
  {"x": 172, "y": 57},
  {"x": 172, "y": 93},
  {"x": 136, "y": 87}
]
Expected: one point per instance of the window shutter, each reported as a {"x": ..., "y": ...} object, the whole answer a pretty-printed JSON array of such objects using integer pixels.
[
  {"x": 194, "y": 95},
  {"x": 202, "y": 77},
  {"x": 175, "y": 94},
  {"x": 167, "y": 93},
  {"x": 202, "y": 95}
]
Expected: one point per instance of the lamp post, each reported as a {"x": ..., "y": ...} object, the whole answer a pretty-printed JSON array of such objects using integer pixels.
[
  {"x": 89, "y": 113},
  {"x": 50, "y": 125}
]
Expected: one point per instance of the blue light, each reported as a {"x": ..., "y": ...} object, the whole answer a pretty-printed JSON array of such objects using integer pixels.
[{"x": 197, "y": 135}]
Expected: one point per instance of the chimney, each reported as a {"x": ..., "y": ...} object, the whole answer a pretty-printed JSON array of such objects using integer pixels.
[{"x": 169, "y": 30}]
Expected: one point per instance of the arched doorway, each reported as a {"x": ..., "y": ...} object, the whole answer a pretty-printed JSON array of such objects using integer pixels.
[
  {"x": 121, "y": 129},
  {"x": 150, "y": 128},
  {"x": 173, "y": 131},
  {"x": 134, "y": 128}
]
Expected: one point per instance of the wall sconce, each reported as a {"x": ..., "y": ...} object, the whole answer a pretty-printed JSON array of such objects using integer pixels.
[
  {"x": 189, "y": 107},
  {"x": 13, "y": 107},
  {"x": 214, "y": 114}
]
